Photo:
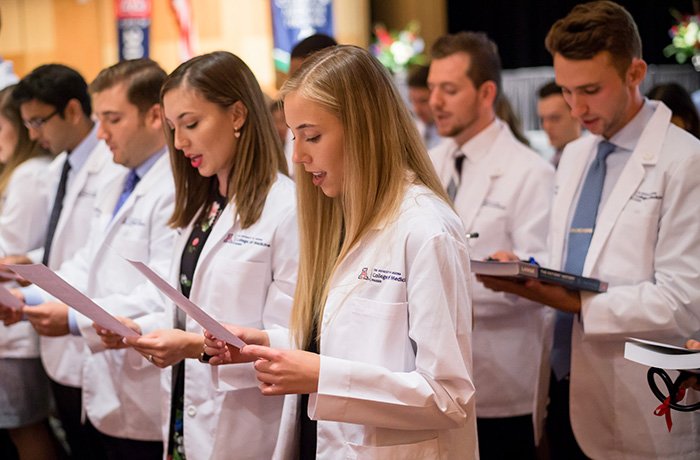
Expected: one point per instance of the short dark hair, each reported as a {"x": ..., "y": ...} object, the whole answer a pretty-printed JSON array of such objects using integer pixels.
[
  {"x": 56, "y": 85},
  {"x": 592, "y": 28},
  {"x": 418, "y": 76},
  {"x": 143, "y": 78},
  {"x": 485, "y": 62},
  {"x": 311, "y": 44},
  {"x": 549, "y": 89}
]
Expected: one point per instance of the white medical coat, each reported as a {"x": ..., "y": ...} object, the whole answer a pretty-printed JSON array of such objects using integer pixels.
[
  {"x": 395, "y": 377},
  {"x": 23, "y": 221},
  {"x": 647, "y": 246},
  {"x": 245, "y": 277},
  {"x": 120, "y": 400},
  {"x": 63, "y": 356},
  {"x": 505, "y": 196}
]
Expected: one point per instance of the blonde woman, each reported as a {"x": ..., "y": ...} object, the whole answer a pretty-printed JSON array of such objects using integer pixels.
[
  {"x": 236, "y": 256},
  {"x": 24, "y": 386},
  {"x": 382, "y": 311}
]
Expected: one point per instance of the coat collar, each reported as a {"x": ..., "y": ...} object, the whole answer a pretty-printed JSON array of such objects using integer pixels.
[
  {"x": 158, "y": 173},
  {"x": 646, "y": 153},
  {"x": 472, "y": 193}
]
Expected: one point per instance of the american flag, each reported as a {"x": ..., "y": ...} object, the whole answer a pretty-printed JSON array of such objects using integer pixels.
[{"x": 188, "y": 37}]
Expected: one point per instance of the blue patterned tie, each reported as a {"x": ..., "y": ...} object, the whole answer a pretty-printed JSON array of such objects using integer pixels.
[
  {"x": 131, "y": 180},
  {"x": 580, "y": 235}
]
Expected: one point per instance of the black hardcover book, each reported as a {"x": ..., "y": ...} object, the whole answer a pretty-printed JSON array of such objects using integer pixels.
[{"x": 524, "y": 270}]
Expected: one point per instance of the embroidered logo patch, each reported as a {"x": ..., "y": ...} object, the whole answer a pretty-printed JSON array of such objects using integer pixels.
[
  {"x": 378, "y": 275},
  {"x": 238, "y": 239},
  {"x": 643, "y": 196},
  {"x": 363, "y": 275}
]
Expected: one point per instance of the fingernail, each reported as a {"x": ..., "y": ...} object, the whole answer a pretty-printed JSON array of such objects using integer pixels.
[{"x": 123, "y": 339}]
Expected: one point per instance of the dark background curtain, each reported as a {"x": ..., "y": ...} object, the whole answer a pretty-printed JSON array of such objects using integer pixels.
[{"x": 520, "y": 26}]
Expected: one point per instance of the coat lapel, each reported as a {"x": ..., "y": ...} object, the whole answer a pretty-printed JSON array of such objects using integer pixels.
[
  {"x": 224, "y": 225},
  {"x": 470, "y": 197},
  {"x": 645, "y": 153},
  {"x": 93, "y": 165}
]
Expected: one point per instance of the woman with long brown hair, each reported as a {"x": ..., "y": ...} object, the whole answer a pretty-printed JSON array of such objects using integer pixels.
[{"x": 236, "y": 256}]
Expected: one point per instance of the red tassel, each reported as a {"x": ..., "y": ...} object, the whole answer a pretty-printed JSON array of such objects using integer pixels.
[{"x": 664, "y": 409}]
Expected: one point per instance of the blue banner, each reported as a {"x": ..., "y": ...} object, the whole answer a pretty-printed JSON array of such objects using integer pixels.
[
  {"x": 133, "y": 38},
  {"x": 293, "y": 21},
  {"x": 133, "y": 27}
]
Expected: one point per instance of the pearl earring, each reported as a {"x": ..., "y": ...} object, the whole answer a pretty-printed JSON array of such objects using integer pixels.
[{"x": 237, "y": 132}]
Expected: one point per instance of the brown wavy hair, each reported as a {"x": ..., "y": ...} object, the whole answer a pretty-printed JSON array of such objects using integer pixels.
[
  {"x": 224, "y": 79},
  {"x": 25, "y": 148}
]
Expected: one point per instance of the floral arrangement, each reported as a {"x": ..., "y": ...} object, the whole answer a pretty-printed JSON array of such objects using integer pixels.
[
  {"x": 398, "y": 50},
  {"x": 685, "y": 39}
]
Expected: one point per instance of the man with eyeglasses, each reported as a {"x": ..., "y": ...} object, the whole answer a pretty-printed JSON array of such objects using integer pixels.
[{"x": 55, "y": 107}]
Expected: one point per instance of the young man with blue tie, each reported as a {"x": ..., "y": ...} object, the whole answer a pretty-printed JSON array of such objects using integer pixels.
[{"x": 625, "y": 212}]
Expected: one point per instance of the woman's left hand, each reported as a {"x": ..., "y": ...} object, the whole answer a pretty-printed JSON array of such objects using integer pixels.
[
  {"x": 166, "y": 347},
  {"x": 285, "y": 371}
]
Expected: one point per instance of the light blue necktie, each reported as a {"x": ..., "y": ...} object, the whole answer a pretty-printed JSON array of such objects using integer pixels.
[
  {"x": 131, "y": 180},
  {"x": 580, "y": 235}
]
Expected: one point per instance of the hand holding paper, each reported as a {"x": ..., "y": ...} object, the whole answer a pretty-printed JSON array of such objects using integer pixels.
[
  {"x": 112, "y": 340},
  {"x": 8, "y": 300},
  {"x": 10, "y": 307},
  {"x": 186, "y": 305},
  {"x": 43, "y": 277},
  {"x": 165, "y": 347},
  {"x": 6, "y": 274},
  {"x": 222, "y": 353}
]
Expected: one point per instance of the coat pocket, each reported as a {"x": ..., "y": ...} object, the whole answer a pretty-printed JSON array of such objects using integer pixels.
[
  {"x": 373, "y": 332},
  {"x": 423, "y": 450}
]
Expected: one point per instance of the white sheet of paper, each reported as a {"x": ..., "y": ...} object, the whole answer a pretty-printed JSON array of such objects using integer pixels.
[
  {"x": 50, "y": 282},
  {"x": 7, "y": 299},
  {"x": 196, "y": 313}
]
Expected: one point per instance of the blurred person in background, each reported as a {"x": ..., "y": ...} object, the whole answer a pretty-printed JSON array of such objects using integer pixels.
[
  {"x": 556, "y": 119},
  {"x": 676, "y": 98}
]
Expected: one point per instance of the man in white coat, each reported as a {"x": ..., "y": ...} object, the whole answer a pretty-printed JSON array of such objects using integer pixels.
[
  {"x": 502, "y": 191},
  {"x": 56, "y": 108},
  {"x": 625, "y": 212},
  {"x": 130, "y": 221}
]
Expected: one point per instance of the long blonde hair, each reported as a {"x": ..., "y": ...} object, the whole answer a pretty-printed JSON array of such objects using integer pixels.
[
  {"x": 381, "y": 149},
  {"x": 224, "y": 79},
  {"x": 25, "y": 148}
]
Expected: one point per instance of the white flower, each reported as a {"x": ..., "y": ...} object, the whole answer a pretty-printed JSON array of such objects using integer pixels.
[
  {"x": 691, "y": 33},
  {"x": 402, "y": 52}
]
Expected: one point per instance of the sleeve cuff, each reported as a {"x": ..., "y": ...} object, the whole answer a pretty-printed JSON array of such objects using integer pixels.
[
  {"x": 33, "y": 295},
  {"x": 73, "y": 323},
  {"x": 279, "y": 337}
]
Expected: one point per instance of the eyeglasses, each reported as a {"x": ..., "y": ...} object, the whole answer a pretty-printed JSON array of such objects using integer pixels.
[{"x": 37, "y": 123}]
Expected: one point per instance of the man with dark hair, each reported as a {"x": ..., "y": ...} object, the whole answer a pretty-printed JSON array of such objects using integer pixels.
[
  {"x": 556, "y": 119},
  {"x": 625, "y": 211},
  {"x": 501, "y": 190},
  {"x": 419, "y": 97},
  {"x": 55, "y": 107},
  {"x": 307, "y": 47},
  {"x": 130, "y": 220}
]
